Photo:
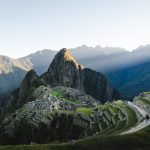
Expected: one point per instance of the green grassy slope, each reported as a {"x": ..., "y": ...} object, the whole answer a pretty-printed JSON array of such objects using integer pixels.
[{"x": 136, "y": 141}]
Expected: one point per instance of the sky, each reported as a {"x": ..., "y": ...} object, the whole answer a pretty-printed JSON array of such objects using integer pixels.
[{"x": 30, "y": 25}]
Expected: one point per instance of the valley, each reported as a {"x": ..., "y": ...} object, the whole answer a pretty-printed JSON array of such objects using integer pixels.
[{"x": 73, "y": 105}]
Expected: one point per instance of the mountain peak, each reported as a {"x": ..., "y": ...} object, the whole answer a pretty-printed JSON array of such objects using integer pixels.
[
  {"x": 66, "y": 55},
  {"x": 65, "y": 71},
  {"x": 62, "y": 58}
]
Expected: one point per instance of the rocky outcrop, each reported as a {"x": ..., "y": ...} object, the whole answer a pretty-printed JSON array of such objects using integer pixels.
[
  {"x": 24, "y": 93},
  {"x": 96, "y": 85},
  {"x": 65, "y": 71},
  {"x": 31, "y": 80}
]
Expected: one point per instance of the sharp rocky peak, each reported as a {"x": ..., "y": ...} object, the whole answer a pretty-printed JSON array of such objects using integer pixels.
[
  {"x": 67, "y": 56},
  {"x": 65, "y": 71},
  {"x": 63, "y": 57}
]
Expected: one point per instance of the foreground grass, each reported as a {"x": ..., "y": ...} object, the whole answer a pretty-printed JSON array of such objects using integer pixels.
[{"x": 136, "y": 141}]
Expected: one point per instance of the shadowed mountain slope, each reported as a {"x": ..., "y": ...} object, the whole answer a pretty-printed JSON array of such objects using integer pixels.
[
  {"x": 125, "y": 70},
  {"x": 64, "y": 70}
]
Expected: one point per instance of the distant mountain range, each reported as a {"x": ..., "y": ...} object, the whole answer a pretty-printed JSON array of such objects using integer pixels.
[
  {"x": 129, "y": 72},
  {"x": 40, "y": 60},
  {"x": 12, "y": 72}
]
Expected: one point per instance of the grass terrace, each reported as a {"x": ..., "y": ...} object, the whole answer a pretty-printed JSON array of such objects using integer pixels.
[
  {"x": 85, "y": 110},
  {"x": 60, "y": 94}
]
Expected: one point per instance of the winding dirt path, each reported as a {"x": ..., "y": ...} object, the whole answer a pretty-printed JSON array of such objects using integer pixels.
[{"x": 140, "y": 125}]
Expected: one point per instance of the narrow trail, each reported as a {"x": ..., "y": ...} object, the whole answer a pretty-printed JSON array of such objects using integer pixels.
[{"x": 140, "y": 125}]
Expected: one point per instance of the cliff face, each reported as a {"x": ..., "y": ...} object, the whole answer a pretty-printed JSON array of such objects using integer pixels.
[
  {"x": 65, "y": 71},
  {"x": 24, "y": 93},
  {"x": 31, "y": 81},
  {"x": 96, "y": 85}
]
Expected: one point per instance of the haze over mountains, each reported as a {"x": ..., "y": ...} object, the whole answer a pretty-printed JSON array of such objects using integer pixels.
[
  {"x": 12, "y": 72},
  {"x": 40, "y": 60},
  {"x": 129, "y": 72}
]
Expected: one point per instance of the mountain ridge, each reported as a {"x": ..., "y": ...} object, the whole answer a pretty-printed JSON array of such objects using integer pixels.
[
  {"x": 109, "y": 64},
  {"x": 64, "y": 70}
]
